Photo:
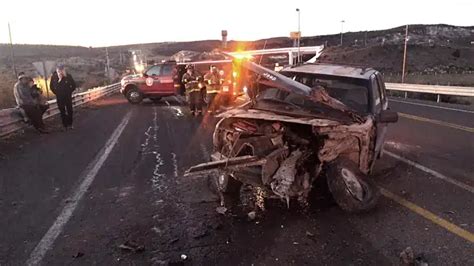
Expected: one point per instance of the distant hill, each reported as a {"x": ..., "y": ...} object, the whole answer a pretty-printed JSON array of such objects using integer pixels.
[{"x": 432, "y": 48}]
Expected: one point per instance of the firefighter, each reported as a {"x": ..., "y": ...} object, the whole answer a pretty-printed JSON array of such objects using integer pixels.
[
  {"x": 213, "y": 87},
  {"x": 193, "y": 90}
]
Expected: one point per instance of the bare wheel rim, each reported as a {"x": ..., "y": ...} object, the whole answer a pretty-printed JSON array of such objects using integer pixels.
[{"x": 352, "y": 184}]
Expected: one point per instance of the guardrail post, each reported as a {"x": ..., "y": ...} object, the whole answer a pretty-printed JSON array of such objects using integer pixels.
[
  {"x": 438, "y": 98},
  {"x": 406, "y": 95}
]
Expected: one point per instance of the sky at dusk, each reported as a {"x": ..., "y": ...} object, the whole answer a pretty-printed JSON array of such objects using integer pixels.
[{"x": 103, "y": 23}]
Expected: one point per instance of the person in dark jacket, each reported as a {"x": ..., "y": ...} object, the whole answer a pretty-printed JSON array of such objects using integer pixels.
[{"x": 62, "y": 85}]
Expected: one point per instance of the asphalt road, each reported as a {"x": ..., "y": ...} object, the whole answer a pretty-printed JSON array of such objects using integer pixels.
[{"x": 83, "y": 197}]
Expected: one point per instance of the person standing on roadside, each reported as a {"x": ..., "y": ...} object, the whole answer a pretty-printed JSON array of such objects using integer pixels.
[
  {"x": 193, "y": 91},
  {"x": 26, "y": 101},
  {"x": 213, "y": 87},
  {"x": 62, "y": 85}
]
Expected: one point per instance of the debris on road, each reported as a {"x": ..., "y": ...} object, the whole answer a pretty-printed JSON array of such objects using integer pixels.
[
  {"x": 407, "y": 257},
  {"x": 309, "y": 234},
  {"x": 78, "y": 255},
  {"x": 174, "y": 240},
  {"x": 200, "y": 233},
  {"x": 251, "y": 215},
  {"x": 221, "y": 210},
  {"x": 184, "y": 257},
  {"x": 131, "y": 246}
]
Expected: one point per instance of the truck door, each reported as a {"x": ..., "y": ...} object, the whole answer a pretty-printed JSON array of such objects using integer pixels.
[
  {"x": 152, "y": 80},
  {"x": 379, "y": 104},
  {"x": 168, "y": 71}
]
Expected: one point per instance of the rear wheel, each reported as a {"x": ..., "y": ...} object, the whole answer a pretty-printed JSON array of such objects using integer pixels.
[
  {"x": 351, "y": 189},
  {"x": 134, "y": 96}
]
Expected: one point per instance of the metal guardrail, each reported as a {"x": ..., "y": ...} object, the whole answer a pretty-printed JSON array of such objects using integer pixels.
[
  {"x": 432, "y": 89},
  {"x": 11, "y": 119}
]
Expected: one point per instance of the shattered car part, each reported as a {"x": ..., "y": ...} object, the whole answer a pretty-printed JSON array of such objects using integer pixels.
[
  {"x": 290, "y": 135},
  {"x": 285, "y": 176}
]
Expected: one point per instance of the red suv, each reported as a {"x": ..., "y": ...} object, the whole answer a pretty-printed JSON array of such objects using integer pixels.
[
  {"x": 155, "y": 82},
  {"x": 164, "y": 79}
]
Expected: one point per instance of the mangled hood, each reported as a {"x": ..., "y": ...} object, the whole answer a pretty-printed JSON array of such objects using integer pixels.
[
  {"x": 333, "y": 108},
  {"x": 270, "y": 116}
]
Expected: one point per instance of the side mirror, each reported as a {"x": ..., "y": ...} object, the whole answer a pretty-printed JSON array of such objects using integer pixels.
[{"x": 387, "y": 116}]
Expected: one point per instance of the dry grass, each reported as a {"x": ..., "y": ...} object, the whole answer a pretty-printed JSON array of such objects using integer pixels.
[{"x": 7, "y": 81}]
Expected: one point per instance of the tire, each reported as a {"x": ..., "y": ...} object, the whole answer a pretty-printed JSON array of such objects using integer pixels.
[
  {"x": 134, "y": 96},
  {"x": 351, "y": 189},
  {"x": 156, "y": 99}
]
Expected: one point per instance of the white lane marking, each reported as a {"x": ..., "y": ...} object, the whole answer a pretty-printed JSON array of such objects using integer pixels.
[
  {"x": 433, "y": 106},
  {"x": 87, "y": 178},
  {"x": 167, "y": 103},
  {"x": 431, "y": 172},
  {"x": 175, "y": 165}
]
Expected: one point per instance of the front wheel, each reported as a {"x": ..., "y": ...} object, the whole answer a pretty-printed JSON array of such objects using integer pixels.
[
  {"x": 134, "y": 96},
  {"x": 351, "y": 189}
]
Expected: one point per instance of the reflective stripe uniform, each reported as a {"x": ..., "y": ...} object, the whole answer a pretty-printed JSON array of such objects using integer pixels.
[
  {"x": 191, "y": 82},
  {"x": 213, "y": 82}
]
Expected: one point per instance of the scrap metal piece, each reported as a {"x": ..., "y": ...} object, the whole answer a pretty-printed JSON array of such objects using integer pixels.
[
  {"x": 231, "y": 164},
  {"x": 285, "y": 176}
]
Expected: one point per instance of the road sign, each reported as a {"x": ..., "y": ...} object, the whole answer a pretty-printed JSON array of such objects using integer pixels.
[
  {"x": 295, "y": 35},
  {"x": 45, "y": 70}
]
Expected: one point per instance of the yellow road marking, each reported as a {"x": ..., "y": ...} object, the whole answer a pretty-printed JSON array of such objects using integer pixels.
[
  {"x": 429, "y": 215},
  {"x": 437, "y": 122}
]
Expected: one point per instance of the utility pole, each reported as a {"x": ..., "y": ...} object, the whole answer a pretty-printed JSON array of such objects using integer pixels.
[
  {"x": 405, "y": 55},
  {"x": 12, "y": 52},
  {"x": 299, "y": 35},
  {"x": 108, "y": 62},
  {"x": 365, "y": 39},
  {"x": 342, "y": 29}
]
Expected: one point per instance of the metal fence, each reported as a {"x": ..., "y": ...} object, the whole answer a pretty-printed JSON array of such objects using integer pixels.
[
  {"x": 432, "y": 89},
  {"x": 11, "y": 119}
]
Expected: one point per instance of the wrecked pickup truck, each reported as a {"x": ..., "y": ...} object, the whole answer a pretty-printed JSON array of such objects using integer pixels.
[{"x": 304, "y": 123}]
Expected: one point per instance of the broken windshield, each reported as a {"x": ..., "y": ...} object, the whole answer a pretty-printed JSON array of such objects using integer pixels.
[
  {"x": 352, "y": 92},
  {"x": 281, "y": 101}
]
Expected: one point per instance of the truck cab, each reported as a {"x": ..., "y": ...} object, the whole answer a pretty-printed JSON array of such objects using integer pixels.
[{"x": 361, "y": 89}]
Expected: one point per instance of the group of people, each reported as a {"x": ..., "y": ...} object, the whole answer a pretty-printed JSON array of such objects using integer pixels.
[
  {"x": 30, "y": 99},
  {"x": 201, "y": 90}
]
